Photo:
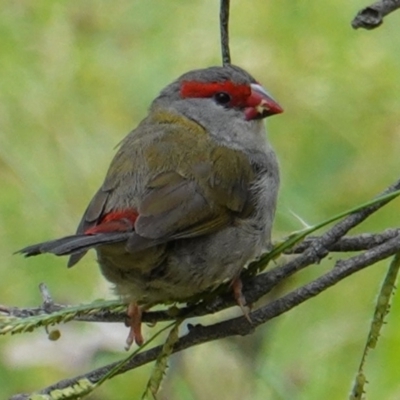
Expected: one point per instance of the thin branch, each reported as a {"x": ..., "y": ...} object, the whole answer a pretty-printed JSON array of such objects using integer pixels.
[
  {"x": 224, "y": 27},
  {"x": 372, "y": 16},
  {"x": 360, "y": 242},
  {"x": 319, "y": 248},
  {"x": 256, "y": 287},
  {"x": 240, "y": 326},
  {"x": 354, "y": 243}
]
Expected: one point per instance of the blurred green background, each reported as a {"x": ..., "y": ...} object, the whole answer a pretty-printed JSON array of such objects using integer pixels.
[{"x": 75, "y": 77}]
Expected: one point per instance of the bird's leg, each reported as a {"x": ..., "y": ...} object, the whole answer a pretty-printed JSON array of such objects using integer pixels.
[
  {"x": 238, "y": 295},
  {"x": 135, "y": 323}
]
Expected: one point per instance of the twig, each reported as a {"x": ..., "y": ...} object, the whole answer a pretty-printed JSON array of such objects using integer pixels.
[
  {"x": 224, "y": 27},
  {"x": 318, "y": 249},
  {"x": 372, "y": 16},
  {"x": 240, "y": 326},
  {"x": 264, "y": 282},
  {"x": 255, "y": 287},
  {"x": 360, "y": 242}
]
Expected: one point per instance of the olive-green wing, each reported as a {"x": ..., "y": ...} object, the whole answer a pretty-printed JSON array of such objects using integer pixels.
[{"x": 197, "y": 200}]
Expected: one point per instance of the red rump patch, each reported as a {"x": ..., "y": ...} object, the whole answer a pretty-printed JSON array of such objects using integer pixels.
[
  {"x": 238, "y": 92},
  {"x": 116, "y": 221}
]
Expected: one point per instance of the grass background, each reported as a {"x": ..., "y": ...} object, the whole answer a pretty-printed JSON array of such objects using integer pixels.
[{"x": 75, "y": 77}]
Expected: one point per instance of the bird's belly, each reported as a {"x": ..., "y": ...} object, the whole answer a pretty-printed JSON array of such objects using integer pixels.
[{"x": 182, "y": 269}]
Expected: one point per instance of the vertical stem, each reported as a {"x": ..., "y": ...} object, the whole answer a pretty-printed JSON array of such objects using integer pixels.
[{"x": 224, "y": 27}]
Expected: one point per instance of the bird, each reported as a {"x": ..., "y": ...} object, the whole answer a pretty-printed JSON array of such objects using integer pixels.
[{"x": 189, "y": 198}]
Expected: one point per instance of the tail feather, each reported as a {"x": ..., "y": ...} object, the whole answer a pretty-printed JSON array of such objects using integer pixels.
[
  {"x": 74, "y": 244},
  {"x": 75, "y": 258}
]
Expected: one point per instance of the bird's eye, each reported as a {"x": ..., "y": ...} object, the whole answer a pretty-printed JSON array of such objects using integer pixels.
[{"x": 222, "y": 98}]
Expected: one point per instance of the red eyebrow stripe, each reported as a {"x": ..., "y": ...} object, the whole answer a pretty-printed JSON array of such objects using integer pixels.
[{"x": 195, "y": 89}]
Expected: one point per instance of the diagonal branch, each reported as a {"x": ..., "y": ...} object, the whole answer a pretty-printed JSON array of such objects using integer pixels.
[
  {"x": 379, "y": 247},
  {"x": 240, "y": 326},
  {"x": 353, "y": 243},
  {"x": 360, "y": 242},
  {"x": 313, "y": 250}
]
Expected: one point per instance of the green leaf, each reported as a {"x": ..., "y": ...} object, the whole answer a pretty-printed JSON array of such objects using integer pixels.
[{"x": 382, "y": 308}]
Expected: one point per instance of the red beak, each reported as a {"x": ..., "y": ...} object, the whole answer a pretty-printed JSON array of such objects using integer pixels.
[{"x": 260, "y": 104}]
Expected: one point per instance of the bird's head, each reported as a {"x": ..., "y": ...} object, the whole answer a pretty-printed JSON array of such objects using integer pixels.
[{"x": 222, "y": 88}]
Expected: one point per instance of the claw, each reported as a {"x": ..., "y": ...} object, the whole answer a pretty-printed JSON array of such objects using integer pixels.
[
  {"x": 240, "y": 299},
  {"x": 135, "y": 323}
]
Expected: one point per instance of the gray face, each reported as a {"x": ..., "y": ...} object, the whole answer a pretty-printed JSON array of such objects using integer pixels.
[{"x": 225, "y": 123}]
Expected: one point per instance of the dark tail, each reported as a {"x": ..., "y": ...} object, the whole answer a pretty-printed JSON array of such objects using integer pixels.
[{"x": 74, "y": 245}]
